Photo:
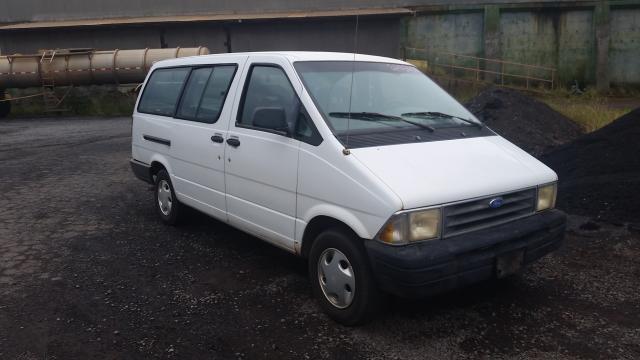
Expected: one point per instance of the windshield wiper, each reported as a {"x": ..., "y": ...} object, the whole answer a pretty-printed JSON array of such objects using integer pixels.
[
  {"x": 443, "y": 115},
  {"x": 373, "y": 116}
]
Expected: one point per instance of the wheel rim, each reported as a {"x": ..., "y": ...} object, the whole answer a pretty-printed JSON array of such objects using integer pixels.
[
  {"x": 165, "y": 198},
  {"x": 336, "y": 277}
]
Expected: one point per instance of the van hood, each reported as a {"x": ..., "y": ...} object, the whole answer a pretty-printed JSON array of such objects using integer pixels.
[{"x": 433, "y": 173}]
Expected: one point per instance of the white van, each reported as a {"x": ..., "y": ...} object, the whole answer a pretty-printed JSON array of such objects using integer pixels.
[{"x": 361, "y": 164}]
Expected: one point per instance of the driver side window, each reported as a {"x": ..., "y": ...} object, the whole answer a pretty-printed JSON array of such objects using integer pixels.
[{"x": 270, "y": 103}]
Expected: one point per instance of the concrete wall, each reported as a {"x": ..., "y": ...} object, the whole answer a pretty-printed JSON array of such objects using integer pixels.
[
  {"x": 559, "y": 39},
  {"x": 624, "y": 51},
  {"x": 441, "y": 32},
  {"x": 595, "y": 43}
]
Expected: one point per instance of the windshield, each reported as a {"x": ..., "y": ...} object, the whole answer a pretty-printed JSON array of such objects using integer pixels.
[{"x": 385, "y": 97}]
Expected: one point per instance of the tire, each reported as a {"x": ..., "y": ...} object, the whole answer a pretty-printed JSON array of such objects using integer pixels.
[
  {"x": 167, "y": 205},
  {"x": 358, "y": 299}
]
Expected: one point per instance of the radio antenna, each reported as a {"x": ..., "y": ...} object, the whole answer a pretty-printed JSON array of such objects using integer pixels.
[{"x": 353, "y": 70}]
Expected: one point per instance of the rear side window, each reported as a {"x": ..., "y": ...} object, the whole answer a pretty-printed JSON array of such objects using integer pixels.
[
  {"x": 215, "y": 93},
  {"x": 193, "y": 93},
  {"x": 162, "y": 91}
]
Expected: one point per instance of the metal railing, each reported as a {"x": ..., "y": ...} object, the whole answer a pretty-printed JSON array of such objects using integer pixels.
[{"x": 457, "y": 67}]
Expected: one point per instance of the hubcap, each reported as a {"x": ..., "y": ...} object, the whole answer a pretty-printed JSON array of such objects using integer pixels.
[
  {"x": 336, "y": 277},
  {"x": 165, "y": 199}
]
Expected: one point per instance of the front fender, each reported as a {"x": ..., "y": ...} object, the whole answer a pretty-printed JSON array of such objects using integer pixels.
[{"x": 365, "y": 225}]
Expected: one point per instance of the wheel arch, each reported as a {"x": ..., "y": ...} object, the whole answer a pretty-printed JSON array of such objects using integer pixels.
[
  {"x": 158, "y": 163},
  {"x": 317, "y": 225},
  {"x": 154, "y": 169}
]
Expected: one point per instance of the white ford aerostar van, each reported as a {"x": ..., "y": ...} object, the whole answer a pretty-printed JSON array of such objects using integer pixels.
[{"x": 360, "y": 164}]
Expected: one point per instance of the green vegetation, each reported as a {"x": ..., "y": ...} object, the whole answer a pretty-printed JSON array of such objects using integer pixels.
[
  {"x": 107, "y": 101},
  {"x": 464, "y": 91},
  {"x": 80, "y": 101},
  {"x": 590, "y": 109}
]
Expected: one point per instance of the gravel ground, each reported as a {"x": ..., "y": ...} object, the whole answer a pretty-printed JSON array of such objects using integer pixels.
[
  {"x": 600, "y": 171},
  {"x": 87, "y": 271}
]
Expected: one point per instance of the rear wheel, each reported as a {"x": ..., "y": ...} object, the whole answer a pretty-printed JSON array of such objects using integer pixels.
[
  {"x": 166, "y": 203},
  {"x": 341, "y": 278}
]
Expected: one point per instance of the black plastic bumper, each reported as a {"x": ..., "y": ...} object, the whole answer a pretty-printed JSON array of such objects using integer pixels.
[
  {"x": 141, "y": 170},
  {"x": 432, "y": 267}
]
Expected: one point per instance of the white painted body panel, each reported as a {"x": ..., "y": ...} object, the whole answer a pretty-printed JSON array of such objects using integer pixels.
[
  {"x": 199, "y": 164},
  {"x": 145, "y": 151},
  {"x": 261, "y": 185},
  {"x": 196, "y": 162},
  {"x": 272, "y": 186},
  {"x": 262, "y": 176},
  {"x": 440, "y": 172},
  {"x": 334, "y": 185}
]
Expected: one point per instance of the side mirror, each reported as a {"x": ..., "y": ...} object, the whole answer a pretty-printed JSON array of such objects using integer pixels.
[{"x": 271, "y": 118}]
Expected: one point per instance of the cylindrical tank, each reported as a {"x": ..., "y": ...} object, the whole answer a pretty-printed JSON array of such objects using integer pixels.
[{"x": 65, "y": 67}]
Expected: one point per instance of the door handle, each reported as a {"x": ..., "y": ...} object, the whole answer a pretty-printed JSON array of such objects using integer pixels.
[
  {"x": 217, "y": 139},
  {"x": 233, "y": 142},
  {"x": 157, "y": 140}
]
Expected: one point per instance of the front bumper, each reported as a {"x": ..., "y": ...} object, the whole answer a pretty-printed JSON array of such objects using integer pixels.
[{"x": 433, "y": 267}]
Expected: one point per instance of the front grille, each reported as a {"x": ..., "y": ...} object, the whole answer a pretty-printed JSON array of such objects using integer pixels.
[{"x": 477, "y": 214}]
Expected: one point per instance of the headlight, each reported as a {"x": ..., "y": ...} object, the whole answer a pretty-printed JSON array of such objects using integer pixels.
[
  {"x": 409, "y": 227},
  {"x": 547, "y": 197}
]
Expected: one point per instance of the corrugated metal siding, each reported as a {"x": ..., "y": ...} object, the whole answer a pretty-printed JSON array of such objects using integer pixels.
[
  {"x": 203, "y": 18},
  {"x": 377, "y": 36},
  {"x": 47, "y": 10}
]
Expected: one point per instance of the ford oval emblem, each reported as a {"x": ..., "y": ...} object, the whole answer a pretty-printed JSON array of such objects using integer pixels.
[{"x": 496, "y": 202}]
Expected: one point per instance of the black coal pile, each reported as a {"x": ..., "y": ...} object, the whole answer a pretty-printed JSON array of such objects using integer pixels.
[
  {"x": 600, "y": 172},
  {"x": 526, "y": 122}
]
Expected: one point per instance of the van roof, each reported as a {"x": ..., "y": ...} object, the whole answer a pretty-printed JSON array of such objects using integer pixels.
[{"x": 290, "y": 55}]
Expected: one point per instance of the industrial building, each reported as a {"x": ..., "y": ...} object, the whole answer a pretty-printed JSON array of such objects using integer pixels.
[{"x": 592, "y": 42}]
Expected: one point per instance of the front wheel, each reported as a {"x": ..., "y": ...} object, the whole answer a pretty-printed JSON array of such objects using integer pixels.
[{"x": 341, "y": 278}]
